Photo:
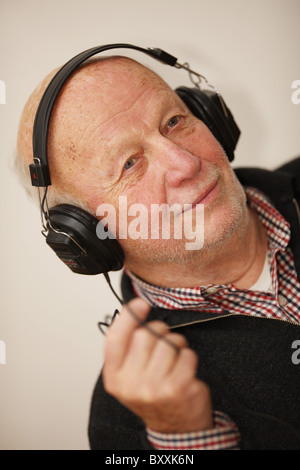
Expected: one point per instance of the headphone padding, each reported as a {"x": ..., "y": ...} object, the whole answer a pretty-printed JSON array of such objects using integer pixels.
[
  {"x": 206, "y": 105},
  {"x": 82, "y": 226}
]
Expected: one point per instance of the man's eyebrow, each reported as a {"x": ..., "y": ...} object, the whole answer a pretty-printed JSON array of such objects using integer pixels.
[
  {"x": 114, "y": 151},
  {"x": 168, "y": 102}
]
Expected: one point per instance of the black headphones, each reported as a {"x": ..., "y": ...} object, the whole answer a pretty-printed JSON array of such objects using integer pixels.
[{"x": 70, "y": 231}]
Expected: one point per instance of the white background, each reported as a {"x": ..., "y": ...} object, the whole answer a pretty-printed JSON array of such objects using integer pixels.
[{"x": 249, "y": 50}]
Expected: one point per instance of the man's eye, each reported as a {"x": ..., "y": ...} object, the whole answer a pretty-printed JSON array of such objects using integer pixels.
[
  {"x": 173, "y": 122},
  {"x": 129, "y": 163}
]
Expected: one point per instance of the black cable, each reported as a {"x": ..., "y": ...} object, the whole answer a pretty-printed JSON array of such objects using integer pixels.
[
  {"x": 142, "y": 323},
  {"x": 43, "y": 203}
]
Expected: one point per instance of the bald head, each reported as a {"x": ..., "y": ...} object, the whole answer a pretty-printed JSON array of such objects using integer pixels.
[{"x": 98, "y": 86}]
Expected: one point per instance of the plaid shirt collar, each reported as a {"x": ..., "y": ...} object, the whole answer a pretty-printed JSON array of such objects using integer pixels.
[{"x": 278, "y": 233}]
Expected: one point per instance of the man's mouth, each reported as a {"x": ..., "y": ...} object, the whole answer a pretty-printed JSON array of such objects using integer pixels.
[{"x": 206, "y": 196}]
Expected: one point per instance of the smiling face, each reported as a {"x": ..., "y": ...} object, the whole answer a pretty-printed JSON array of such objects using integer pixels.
[{"x": 119, "y": 130}]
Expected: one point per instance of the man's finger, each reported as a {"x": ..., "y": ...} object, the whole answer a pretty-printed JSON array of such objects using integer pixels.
[
  {"x": 120, "y": 333},
  {"x": 164, "y": 357}
]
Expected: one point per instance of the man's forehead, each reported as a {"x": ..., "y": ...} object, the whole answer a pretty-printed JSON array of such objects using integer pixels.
[
  {"x": 99, "y": 95},
  {"x": 113, "y": 73},
  {"x": 104, "y": 89},
  {"x": 117, "y": 124}
]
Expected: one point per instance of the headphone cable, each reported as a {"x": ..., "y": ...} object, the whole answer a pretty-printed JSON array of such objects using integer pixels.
[{"x": 141, "y": 323}]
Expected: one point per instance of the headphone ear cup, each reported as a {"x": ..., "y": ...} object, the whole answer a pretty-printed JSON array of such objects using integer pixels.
[
  {"x": 72, "y": 235},
  {"x": 206, "y": 105}
]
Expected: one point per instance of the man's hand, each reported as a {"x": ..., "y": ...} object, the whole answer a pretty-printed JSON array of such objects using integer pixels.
[{"x": 153, "y": 379}]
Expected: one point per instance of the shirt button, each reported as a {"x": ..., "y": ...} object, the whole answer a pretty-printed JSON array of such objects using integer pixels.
[
  {"x": 212, "y": 290},
  {"x": 282, "y": 301}
]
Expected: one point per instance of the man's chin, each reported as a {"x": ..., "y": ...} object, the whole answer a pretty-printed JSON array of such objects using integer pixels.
[{"x": 197, "y": 242}]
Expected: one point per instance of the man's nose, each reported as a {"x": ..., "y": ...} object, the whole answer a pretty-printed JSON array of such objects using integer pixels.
[{"x": 179, "y": 164}]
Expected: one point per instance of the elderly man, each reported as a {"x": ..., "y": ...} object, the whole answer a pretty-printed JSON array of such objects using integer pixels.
[{"x": 214, "y": 368}]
